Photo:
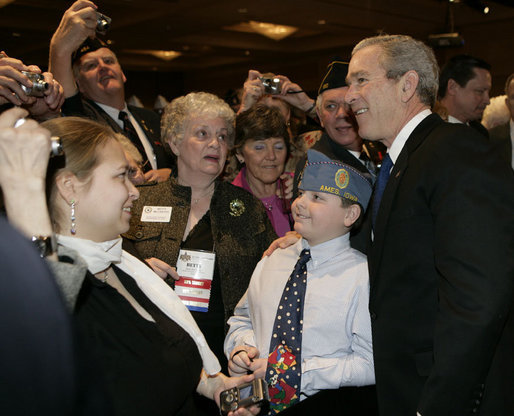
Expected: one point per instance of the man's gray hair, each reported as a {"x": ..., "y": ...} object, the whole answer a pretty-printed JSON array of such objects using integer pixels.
[
  {"x": 400, "y": 54},
  {"x": 195, "y": 104}
]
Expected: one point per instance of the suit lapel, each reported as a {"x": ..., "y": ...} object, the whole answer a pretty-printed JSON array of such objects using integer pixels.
[
  {"x": 108, "y": 119},
  {"x": 400, "y": 167},
  {"x": 149, "y": 132}
]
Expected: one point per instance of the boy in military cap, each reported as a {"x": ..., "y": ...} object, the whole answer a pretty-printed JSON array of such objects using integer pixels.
[{"x": 309, "y": 330}]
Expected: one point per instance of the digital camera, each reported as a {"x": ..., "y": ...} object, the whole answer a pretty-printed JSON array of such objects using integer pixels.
[
  {"x": 39, "y": 85},
  {"x": 246, "y": 395},
  {"x": 272, "y": 85},
  {"x": 103, "y": 23}
]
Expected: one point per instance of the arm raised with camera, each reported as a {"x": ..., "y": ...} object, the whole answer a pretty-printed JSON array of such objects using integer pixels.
[
  {"x": 12, "y": 79},
  {"x": 294, "y": 95},
  {"x": 77, "y": 23},
  {"x": 25, "y": 85},
  {"x": 24, "y": 154}
]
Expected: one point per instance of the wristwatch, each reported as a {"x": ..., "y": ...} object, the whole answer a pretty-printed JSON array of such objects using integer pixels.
[{"x": 45, "y": 245}]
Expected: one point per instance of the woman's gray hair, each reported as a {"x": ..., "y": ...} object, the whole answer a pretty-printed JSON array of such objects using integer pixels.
[
  {"x": 195, "y": 104},
  {"x": 400, "y": 54}
]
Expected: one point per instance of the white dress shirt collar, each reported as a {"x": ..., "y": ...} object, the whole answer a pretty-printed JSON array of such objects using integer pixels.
[
  {"x": 114, "y": 112},
  {"x": 400, "y": 140},
  {"x": 454, "y": 120},
  {"x": 323, "y": 252}
]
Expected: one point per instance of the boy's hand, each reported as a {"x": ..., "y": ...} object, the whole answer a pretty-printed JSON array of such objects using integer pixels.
[{"x": 241, "y": 359}]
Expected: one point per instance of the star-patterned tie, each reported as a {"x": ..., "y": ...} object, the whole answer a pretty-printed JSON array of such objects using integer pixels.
[
  {"x": 380, "y": 185},
  {"x": 284, "y": 370}
]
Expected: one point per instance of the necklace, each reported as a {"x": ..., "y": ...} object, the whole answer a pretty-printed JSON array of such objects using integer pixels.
[
  {"x": 268, "y": 206},
  {"x": 196, "y": 200},
  {"x": 105, "y": 276}
]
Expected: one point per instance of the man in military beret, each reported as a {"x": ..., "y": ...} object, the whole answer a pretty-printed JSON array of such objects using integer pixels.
[
  {"x": 94, "y": 87},
  {"x": 340, "y": 139},
  {"x": 316, "y": 338}
]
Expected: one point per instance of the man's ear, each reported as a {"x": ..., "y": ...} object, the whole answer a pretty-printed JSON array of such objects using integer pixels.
[
  {"x": 319, "y": 117},
  {"x": 67, "y": 185},
  {"x": 353, "y": 213},
  {"x": 409, "y": 83},
  {"x": 452, "y": 86}
]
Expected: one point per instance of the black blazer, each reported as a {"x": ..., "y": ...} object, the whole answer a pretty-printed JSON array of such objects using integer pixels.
[
  {"x": 148, "y": 120},
  {"x": 500, "y": 136},
  {"x": 441, "y": 275}
]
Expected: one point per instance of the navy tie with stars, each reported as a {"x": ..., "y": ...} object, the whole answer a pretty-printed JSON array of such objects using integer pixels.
[
  {"x": 284, "y": 370},
  {"x": 380, "y": 185}
]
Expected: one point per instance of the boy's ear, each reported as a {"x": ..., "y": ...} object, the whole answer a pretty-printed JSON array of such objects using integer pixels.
[{"x": 353, "y": 213}]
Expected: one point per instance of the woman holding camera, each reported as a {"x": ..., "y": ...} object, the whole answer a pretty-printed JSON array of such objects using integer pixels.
[
  {"x": 261, "y": 148},
  {"x": 149, "y": 351}
]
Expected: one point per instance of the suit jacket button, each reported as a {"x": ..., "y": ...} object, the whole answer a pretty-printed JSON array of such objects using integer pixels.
[
  {"x": 373, "y": 316},
  {"x": 139, "y": 235}
]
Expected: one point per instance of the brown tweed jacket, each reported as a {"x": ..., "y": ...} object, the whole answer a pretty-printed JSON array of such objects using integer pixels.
[{"x": 241, "y": 231}]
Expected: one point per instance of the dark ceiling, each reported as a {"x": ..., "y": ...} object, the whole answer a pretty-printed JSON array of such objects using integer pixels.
[{"x": 210, "y": 52}]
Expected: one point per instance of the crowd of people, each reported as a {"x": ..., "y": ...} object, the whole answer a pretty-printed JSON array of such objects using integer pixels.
[{"x": 150, "y": 262}]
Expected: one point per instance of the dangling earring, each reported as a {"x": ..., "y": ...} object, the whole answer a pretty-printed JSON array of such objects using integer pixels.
[{"x": 73, "y": 223}]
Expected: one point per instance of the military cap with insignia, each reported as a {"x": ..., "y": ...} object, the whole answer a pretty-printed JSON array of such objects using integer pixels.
[
  {"x": 89, "y": 45},
  {"x": 322, "y": 174},
  {"x": 335, "y": 77}
]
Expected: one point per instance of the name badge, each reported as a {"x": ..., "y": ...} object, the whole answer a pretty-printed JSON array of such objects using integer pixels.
[
  {"x": 196, "y": 270},
  {"x": 156, "y": 214}
]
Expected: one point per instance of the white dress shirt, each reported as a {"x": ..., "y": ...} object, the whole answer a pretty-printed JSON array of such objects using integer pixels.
[
  {"x": 114, "y": 114},
  {"x": 336, "y": 338}
]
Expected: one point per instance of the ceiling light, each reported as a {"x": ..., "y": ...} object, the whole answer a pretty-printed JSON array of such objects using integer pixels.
[
  {"x": 271, "y": 30},
  {"x": 5, "y": 2},
  {"x": 164, "y": 55}
]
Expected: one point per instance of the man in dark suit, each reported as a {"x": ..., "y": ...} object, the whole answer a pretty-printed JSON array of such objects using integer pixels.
[
  {"x": 503, "y": 135},
  {"x": 441, "y": 257},
  {"x": 464, "y": 86},
  {"x": 94, "y": 87}
]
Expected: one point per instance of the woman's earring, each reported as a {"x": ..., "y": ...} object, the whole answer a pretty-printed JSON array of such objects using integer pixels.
[{"x": 73, "y": 223}]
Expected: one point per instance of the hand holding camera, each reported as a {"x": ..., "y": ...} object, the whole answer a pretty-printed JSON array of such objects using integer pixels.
[
  {"x": 80, "y": 21},
  {"x": 14, "y": 82},
  {"x": 253, "y": 394}
]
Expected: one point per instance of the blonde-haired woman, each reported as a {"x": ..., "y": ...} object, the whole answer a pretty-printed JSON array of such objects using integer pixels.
[{"x": 147, "y": 349}]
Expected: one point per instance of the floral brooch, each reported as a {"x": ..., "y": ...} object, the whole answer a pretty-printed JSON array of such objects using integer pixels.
[{"x": 237, "y": 207}]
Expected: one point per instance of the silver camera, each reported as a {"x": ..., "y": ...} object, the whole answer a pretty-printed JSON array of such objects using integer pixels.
[
  {"x": 249, "y": 394},
  {"x": 55, "y": 141},
  {"x": 39, "y": 85},
  {"x": 272, "y": 85},
  {"x": 103, "y": 23}
]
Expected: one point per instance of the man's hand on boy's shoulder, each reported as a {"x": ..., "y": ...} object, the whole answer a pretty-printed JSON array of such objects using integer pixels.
[{"x": 287, "y": 240}]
